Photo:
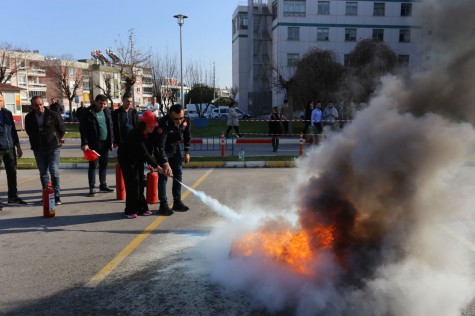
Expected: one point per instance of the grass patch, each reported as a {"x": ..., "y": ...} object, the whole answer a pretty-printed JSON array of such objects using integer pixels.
[{"x": 214, "y": 129}]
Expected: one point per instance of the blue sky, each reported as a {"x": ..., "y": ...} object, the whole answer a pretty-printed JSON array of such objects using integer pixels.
[{"x": 76, "y": 27}]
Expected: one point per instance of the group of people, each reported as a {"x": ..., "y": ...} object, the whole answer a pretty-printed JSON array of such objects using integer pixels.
[
  {"x": 316, "y": 118},
  {"x": 148, "y": 140}
]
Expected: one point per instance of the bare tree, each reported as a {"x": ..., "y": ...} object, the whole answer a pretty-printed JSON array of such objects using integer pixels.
[
  {"x": 164, "y": 69},
  {"x": 8, "y": 65},
  {"x": 66, "y": 84},
  {"x": 131, "y": 61},
  {"x": 108, "y": 88}
]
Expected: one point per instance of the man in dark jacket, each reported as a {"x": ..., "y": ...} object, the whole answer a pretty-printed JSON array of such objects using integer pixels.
[
  {"x": 45, "y": 129},
  {"x": 172, "y": 128},
  {"x": 97, "y": 134},
  {"x": 124, "y": 120},
  {"x": 55, "y": 106},
  {"x": 8, "y": 141}
]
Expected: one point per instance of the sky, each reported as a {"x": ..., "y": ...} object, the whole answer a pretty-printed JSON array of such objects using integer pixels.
[{"x": 63, "y": 27}]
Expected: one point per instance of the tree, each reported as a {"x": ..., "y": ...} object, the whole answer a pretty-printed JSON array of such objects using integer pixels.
[
  {"x": 8, "y": 57},
  {"x": 131, "y": 62},
  {"x": 368, "y": 62},
  {"x": 201, "y": 95},
  {"x": 66, "y": 82},
  {"x": 108, "y": 88},
  {"x": 164, "y": 68}
]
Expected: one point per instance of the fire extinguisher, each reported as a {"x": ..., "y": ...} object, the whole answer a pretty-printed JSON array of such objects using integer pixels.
[
  {"x": 119, "y": 183},
  {"x": 48, "y": 201},
  {"x": 152, "y": 187}
]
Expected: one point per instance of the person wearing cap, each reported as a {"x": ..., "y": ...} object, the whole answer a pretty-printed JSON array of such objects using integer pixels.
[
  {"x": 45, "y": 129},
  {"x": 124, "y": 119},
  {"x": 96, "y": 131},
  {"x": 172, "y": 128},
  {"x": 137, "y": 149}
]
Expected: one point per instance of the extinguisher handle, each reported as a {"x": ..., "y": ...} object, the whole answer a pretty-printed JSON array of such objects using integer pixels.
[{"x": 150, "y": 168}]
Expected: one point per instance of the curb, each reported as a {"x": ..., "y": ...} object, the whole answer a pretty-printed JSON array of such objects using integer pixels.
[{"x": 197, "y": 164}]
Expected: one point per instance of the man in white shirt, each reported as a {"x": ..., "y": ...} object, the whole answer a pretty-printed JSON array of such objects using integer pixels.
[
  {"x": 316, "y": 122},
  {"x": 153, "y": 106}
]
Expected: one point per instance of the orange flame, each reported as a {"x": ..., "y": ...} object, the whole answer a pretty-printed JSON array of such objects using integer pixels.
[{"x": 295, "y": 250}]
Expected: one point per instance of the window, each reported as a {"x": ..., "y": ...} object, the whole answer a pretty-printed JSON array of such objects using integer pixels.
[
  {"x": 242, "y": 21},
  {"x": 72, "y": 72},
  {"x": 350, "y": 35},
  {"x": 403, "y": 60},
  {"x": 294, "y": 7},
  {"x": 352, "y": 8},
  {"x": 404, "y": 36},
  {"x": 293, "y": 33},
  {"x": 323, "y": 34},
  {"x": 378, "y": 34},
  {"x": 406, "y": 9},
  {"x": 292, "y": 60},
  {"x": 378, "y": 9},
  {"x": 324, "y": 7},
  {"x": 72, "y": 84},
  {"x": 275, "y": 10}
]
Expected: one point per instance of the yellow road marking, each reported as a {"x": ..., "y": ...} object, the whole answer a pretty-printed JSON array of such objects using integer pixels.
[
  {"x": 109, "y": 267},
  {"x": 458, "y": 237}
]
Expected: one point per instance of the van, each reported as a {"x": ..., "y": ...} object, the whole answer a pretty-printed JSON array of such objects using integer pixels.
[{"x": 222, "y": 112}]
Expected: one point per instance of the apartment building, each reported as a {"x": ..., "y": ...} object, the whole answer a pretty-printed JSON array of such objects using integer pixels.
[{"x": 284, "y": 30}]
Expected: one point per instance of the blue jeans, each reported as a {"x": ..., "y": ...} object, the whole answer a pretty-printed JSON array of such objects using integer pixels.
[
  {"x": 175, "y": 162},
  {"x": 45, "y": 160}
]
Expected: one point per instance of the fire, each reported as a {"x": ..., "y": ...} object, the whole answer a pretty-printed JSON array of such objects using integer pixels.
[{"x": 297, "y": 250}]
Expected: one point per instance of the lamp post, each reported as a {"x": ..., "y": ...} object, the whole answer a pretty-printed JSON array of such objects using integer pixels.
[{"x": 181, "y": 19}]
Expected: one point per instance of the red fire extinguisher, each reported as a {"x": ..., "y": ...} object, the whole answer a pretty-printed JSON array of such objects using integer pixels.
[
  {"x": 152, "y": 187},
  {"x": 119, "y": 183},
  {"x": 48, "y": 201}
]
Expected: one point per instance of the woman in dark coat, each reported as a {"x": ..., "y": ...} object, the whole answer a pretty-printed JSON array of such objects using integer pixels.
[
  {"x": 275, "y": 127},
  {"x": 307, "y": 116},
  {"x": 136, "y": 150}
]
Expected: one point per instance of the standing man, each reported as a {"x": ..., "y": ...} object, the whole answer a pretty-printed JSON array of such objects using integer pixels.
[
  {"x": 55, "y": 106},
  {"x": 172, "y": 128},
  {"x": 45, "y": 129},
  {"x": 154, "y": 107},
  {"x": 96, "y": 134},
  {"x": 8, "y": 141},
  {"x": 124, "y": 119},
  {"x": 80, "y": 110},
  {"x": 316, "y": 122},
  {"x": 330, "y": 115}
]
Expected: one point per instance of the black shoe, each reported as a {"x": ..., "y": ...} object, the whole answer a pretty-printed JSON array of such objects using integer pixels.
[
  {"x": 92, "y": 192},
  {"x": 105, "y": 188},
  {"x": 179, "y": 206},
  {"x": 16, "y": 200},
  {"x": 57, "y": 201},
  {"x": 165, "y": 210}
]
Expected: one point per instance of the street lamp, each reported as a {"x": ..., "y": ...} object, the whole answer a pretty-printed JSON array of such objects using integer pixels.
[{"x": 181, "y": 19}]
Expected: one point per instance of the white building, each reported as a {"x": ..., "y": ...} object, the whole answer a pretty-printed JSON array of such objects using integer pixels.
[{"x": 291, "y": 27}]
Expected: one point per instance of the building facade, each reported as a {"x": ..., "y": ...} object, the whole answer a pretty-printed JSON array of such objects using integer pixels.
[{"x": 298, "y": 25}]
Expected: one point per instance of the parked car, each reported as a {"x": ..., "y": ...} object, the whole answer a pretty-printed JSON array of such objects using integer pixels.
[
  {"x": 191, "y": 113},
  {"x": 222, "y": 112},
  {"x": 65, "y": 115}
]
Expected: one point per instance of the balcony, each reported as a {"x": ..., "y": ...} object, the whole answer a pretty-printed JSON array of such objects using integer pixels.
[
  {"x": 36, "y": 72},
  {"x": 37, "y": 86}
]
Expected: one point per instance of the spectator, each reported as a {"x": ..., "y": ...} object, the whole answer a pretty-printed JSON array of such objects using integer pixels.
[
  {"x": 307, "y": 116},
  {"x": 137, "y": 150},
  {"x": 172, "y": 128},
  {"x": 330, "y": 115},
  {"x": 316, "y": 121},
  {"x": 275, "y": 127},
  {"x": 55, "y": 106},
  {"x": 233, "y": 120},
  {"x": 45, "y": 129},
  {"x": 80, "y": 110},
  {"x": 96, "y": 134},
  {"x": 8, "y": 141},
  {"x": 124, "y": 119},
  {"x": 154, "y": 107}
]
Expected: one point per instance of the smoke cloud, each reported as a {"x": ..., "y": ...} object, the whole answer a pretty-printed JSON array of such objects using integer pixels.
[{"x": 389, "y": 182}]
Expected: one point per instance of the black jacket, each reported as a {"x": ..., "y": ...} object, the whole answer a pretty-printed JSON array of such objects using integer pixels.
[
  {"x": 8, "y": 133},
  {"x": 166, "y": 137},
  {"x": 56, "y": 107},
  {"x": 137, "y": 149},
  {"x": 117, "y": 119},
  {"x": 89, "y": 128},
  {"x": 49, "y": 137}
]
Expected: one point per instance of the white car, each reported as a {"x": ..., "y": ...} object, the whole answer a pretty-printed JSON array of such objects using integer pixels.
[
  {"x": 191, "y": 113},
  {"x": 222, "y": 112}
]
